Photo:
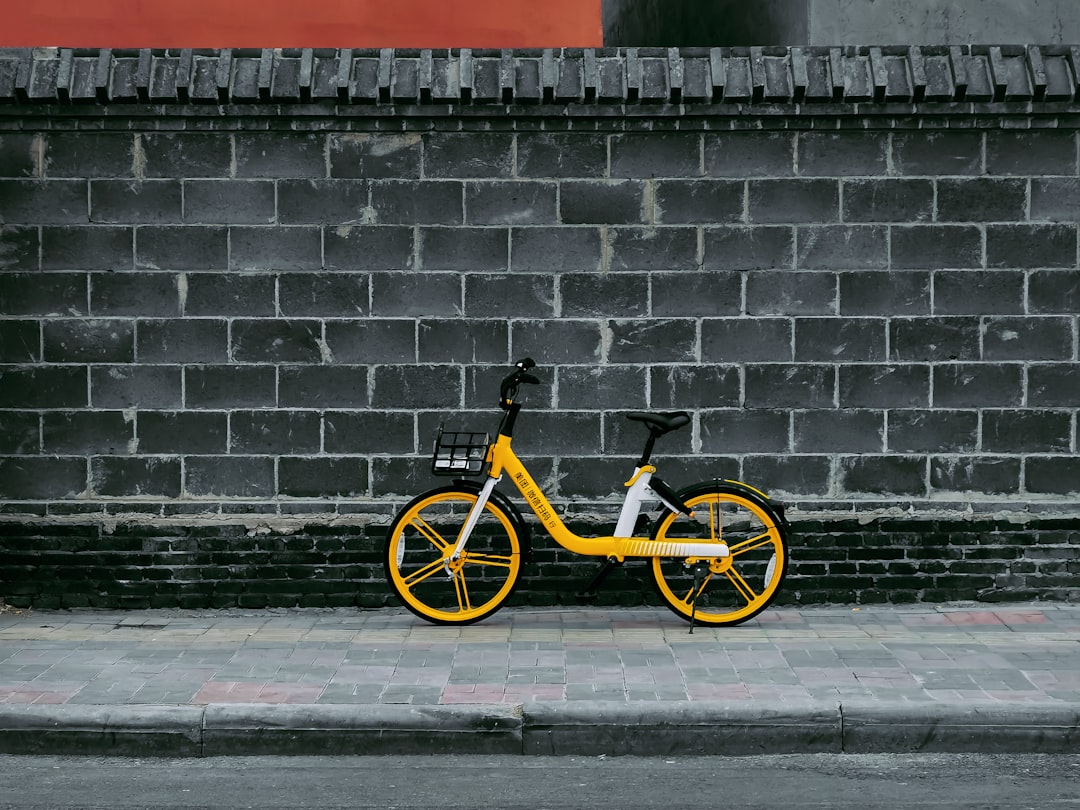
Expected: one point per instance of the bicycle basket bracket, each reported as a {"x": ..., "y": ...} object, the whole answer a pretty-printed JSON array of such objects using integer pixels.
[{"x": 460, "y": 453}]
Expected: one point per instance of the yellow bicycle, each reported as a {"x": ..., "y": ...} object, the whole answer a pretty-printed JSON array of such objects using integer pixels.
[{"x": 717, "y": 552}]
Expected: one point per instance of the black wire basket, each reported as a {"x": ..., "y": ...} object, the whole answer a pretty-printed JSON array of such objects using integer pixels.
[{"x": 460, "y": 453}]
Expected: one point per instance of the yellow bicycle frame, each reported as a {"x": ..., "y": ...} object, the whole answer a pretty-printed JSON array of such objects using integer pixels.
[{"x": 503, "y": 460}]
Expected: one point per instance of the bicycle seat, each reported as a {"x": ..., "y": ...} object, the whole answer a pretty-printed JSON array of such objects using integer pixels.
[{"x": 661, "y": 423}]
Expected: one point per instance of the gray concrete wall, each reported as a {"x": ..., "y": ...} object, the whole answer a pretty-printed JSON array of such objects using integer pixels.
[{"x": 839, "y": 22}]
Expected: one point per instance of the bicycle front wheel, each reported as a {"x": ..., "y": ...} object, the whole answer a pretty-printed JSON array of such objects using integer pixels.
[
  {"x": 722, "y": 590},
  {"x": 435, "y": 583}
]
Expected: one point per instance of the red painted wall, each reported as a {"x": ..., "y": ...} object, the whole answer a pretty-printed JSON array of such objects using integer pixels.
[{"x": 306, "y": 24}]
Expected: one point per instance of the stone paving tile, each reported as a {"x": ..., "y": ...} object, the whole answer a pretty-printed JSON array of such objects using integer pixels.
[{"x": 1024, "y": 653}]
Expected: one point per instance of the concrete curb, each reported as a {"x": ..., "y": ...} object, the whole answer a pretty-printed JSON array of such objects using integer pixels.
[{"x": 586, "y": 728}]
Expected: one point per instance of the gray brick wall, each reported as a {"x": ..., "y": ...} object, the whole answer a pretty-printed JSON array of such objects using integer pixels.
[{"x": 268, "y": 306}]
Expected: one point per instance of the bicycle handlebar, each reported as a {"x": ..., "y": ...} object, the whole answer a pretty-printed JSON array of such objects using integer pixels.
[{"x": 510, "y": 383}]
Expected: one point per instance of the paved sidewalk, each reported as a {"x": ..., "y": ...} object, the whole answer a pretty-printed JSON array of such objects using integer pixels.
[{"x": 541, "y": 680}]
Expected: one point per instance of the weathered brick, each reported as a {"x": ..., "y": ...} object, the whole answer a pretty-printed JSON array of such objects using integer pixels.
[
  {"x": 691, "y": 293},
  {"x": 795, "y": 474},
  {"x": 96, "y": 247},
  {"x": 186, "y": 340},
  {"x": 20, "y": 341},
  {"x": 840, "y": 431},
  {"x": 323, "y": 477},
  {"x": 739, "y": 431},
  {"x": 784, "y": 292},
  {"x": 884, "y": 475},
  {"x": 842, "y": 247},
  {"x": 551, "y": 342},
  {"x": 559, "y": 432},
  {"x": 18, "y": 154},
  {"x": 981, "y": 199},
  {"x": 369, "y": 248},
  {"x": 938, "y": 152},
  {"x": 134, "y": 387},
  {"x": 933, "y": 431},
  {"x": 1031, "y": 245},
  {"x": 877, "y": 293},
  {"x": 229, "y": 202},
  {"x": 67, "y": 433},
  {"x": 184, "y": 247},
  {"x": 749, "y": 154},
  {"x": 89, "y": 340},
  {"x": 887, "y": 200},
  {"x": 613, "y": 202},
  {"x": 556, "y": 154},
  {"x": 51, "y": 294},
  {"x": 280, "y": 154},
  {"x": 738, "y": 248},
  {"x": 20, "y": 248},
  {"x": 416, "y": 387},
  {"x": 472, "y": 154},
  {"x": 323, "y": 294},
  {"x": 738, "y": 340},
  {"x": 699, "y": 201},
  {"x": 141, "y": 202},
  {"x": 694, "y": 386},
  {"x": 89, "y": 154},
  {"x": 382, "y": 340},
  {"x": 555, "y": 249},
  {"x": 50, "y": 202},
  {"x": 1052, "y": 475},
  {"x": 276, "y": 341},
  {"x": 495, "y": 296},
  {"x": 935, "y": 246},
  {"x": 663, "y": 248},
  {"x": 323, "y": 386},
  {"x": 186, "y": 154},
  {"x": 182, "y": 432},
  {"x": 208, "y": 294},
  {"x": 20, "y": 434},
  {"x": 224, "y": 386},
  {"x": 113, "y": 477},
  {"x": 375, "y": 155},
  {"x": 416, "y": 294},
  {"x": 599, "y": 295},
  {"x": 659, "y": 155},
  {"x": 914, "y": 340},
  {"x": 459, "y": 340},
  {"x": 332, "y": 202},
  {"x": 1054, "y": 292},
  {"x": 296, "y": 247},
  {"x": 465, "y": 249},
  {"x": 844, "y": 340},
  {"x": 978, "y": 474},
  {"x": 885, "y": 386},
  {"x": 1055, "y": 198},
  {"x": 601, "y": 387},
  {"x": 32, "y": 478},
  {"x": 148, "y": 294},
  {"x": 265, "y": 432},
  {"x": 229, "y": 476},
  {"x": 667, "y": 340},
  {"x": 1035, "y": 152},
  {"x": 783, "y": 385},
  {"x": 1026, "y": 431},
  {"x": 1042, "y": 338},
  {"x": 793, "y": 201},
  {"x": 422, "y": 202},
  {"x": 367, "y": 432},
  {"x": 975, "y": 385},
  {"x": 977, "y": 292},
  {"x": 1053, "y": 384},
  {"x": 511, "y": 202},
  {"x": 833, "y": 154}
]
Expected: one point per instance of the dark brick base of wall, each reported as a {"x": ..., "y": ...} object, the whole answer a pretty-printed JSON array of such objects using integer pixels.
[{"x": 887, "y": 560}]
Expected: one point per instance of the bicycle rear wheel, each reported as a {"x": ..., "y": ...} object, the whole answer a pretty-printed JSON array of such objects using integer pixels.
[
  {"x": 722, "y": 590},
  {"x": 421, "y": 567}
]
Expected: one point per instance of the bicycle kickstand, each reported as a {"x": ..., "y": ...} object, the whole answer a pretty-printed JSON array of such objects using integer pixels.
[{"x": 699, "y": 580}]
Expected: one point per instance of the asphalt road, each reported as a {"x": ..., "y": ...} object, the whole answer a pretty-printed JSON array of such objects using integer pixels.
[{"x": 802, "y": 781}]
